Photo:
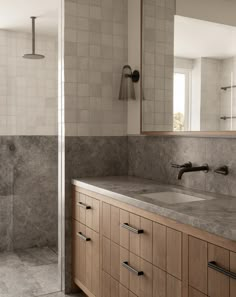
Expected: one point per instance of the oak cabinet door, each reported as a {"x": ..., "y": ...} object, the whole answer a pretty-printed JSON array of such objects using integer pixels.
[
  {"x": 86, "y": 210},
  {"x": 174, "y": 253},
  {"x": 198, "y": 264},
  {"x": 218, "y": 283},
  {"x": 159, "y": 246},
  {"x": 173, "y": 287},
  {"x": 92, "y": 262},
  {"x": 195, "y": 293},
  {"x": 136, "y": 275},
  {"x": 79, "y": 253},
  {"x": 110, "y": 287},
  {"x": 159, "y": 282},
  {"x": 232, "y": 269},
  {"x": 106, "y": 220},
  {"x": 86, "y": 261}
]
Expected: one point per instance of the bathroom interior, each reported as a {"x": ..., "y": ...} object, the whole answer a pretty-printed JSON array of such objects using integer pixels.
[{"x": 117, "y": 148}]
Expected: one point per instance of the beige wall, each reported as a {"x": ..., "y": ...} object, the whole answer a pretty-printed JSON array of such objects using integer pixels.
[
  {"x": 28, "y": 88},
  {"x": 219, "y": 11},
  {"x": 96, "y": 37},
  {"x": 134, "y": 60}
]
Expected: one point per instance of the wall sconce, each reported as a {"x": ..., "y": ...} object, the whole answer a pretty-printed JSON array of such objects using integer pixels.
[{"x": 128, "y": 78}]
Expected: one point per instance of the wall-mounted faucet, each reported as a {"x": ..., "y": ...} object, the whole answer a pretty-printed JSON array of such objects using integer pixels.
[{"x": 188, "y": 167}]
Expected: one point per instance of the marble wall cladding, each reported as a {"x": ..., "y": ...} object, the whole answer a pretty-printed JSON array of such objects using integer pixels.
[
  {"x": 28, "y": 191},
  {"x": 151, "y": 157},
  {"x": 90, "y": 156}
]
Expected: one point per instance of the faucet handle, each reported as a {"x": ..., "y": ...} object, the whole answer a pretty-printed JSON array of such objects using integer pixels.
[
  {"x": 185, "y": 165},
  {"x": 224, "y": 170}
]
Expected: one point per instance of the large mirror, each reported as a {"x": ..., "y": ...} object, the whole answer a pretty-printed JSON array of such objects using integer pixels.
[{"x": 188, "y": 66}]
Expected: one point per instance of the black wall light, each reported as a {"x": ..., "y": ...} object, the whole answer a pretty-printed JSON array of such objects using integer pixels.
[{"x": 128, "y": 78}]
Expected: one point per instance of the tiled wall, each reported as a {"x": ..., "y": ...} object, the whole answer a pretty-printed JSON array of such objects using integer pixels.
[
  {"x": 228, "y": 98},
  {"x": 28, "y": 192},
  {"x": 158, "y": 32},
  {"x": 28, "y": 88},
  {"x": 95, "y": 52},
  {"x": 210, "y": 94}
]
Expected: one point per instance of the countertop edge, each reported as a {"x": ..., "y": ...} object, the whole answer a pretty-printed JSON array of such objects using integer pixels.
[{"x": 162, "y": 211}]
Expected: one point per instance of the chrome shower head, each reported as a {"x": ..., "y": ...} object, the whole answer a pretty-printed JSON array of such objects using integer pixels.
[{"x": 33, "y": 55}]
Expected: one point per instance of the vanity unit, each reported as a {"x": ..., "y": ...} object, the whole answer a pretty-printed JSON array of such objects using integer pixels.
[{"x": 129, "y": 245}]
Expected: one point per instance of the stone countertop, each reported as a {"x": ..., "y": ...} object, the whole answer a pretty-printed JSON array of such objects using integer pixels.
[{"x": 216, "y": 214}]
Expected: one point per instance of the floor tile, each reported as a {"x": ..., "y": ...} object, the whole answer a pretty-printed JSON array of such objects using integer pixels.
[
  {"x": 37, "y": 256},
  {"x": 29, "y": 273}
]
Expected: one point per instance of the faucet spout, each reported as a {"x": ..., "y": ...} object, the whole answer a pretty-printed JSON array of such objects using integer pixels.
[{"x": 204, "y": 168}]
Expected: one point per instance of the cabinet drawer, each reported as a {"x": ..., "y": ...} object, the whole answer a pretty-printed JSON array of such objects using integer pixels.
[
  {"x": 195, "y": 293},
  {"x": 136, "y": 235},
  {"x": 86, "y": 257},
  {"x": 136, "y": 274},
  {"x": 174, "y": 253},
  {"x": 86, "y": 210},
  {"x": 211, "y": 269},
  {"x": 218, "y": 283},
  {"x": 112, "y": 288}
]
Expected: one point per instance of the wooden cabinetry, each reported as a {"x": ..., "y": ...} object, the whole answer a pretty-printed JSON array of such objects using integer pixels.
[
  {"x": 131, "y": 253},
  {"x": 86, "y": 267},
  {"x": 211, "y": 269}
]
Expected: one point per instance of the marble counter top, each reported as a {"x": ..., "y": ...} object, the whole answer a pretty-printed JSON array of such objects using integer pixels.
[{"x": 216, "y": 214}]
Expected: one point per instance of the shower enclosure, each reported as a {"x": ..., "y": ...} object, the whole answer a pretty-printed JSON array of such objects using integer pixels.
[{"x": 29, "y": 248}]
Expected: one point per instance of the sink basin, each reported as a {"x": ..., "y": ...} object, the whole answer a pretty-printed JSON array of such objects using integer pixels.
[{"x": 172, "y": 197}]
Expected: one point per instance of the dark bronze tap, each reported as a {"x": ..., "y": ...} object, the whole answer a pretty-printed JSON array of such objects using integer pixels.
[{"x": 204, "y": 168}]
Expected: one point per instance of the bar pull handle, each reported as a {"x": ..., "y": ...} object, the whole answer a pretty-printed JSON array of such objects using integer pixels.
[
  {"x": 83, "y": 237},
  {"x": 83, "y": 205},
  {"x": 132, "y": 229},
  {"x": 131, "y": 269},
  {"x": 213, "y": 265}
]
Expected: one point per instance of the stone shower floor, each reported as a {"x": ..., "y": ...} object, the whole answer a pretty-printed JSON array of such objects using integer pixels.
[{"x": 28, "y": 273}]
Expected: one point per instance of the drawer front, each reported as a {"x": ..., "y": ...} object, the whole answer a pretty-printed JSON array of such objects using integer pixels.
[
  {"x": 218, "y": 283},
  {"x": 136, "y": 274},
  {"x": 195, "y": 293},
  {"x": 86, "y": 210},
  {"x": 128, "y": 230},
  {"x": 136, "y": 235},
  {"x": 232, "y": 269},
  {"x": 210, "y": 269},
  {"x": 112, "y": 288},
  {"x": 86, "y": 268},
  {"x": 174, "y": 253},
  {"x": 198, "y": 264}
]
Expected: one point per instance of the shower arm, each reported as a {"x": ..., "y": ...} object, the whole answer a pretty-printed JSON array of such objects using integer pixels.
[{"x": 33, "y": 34}]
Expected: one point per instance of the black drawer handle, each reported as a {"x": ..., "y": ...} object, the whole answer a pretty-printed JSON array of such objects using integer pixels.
[
  {"x": 128, "y": 227},
  {"x": 213, "y": 265},
  {"x": 81, "y": 204},
  {"x": 83, "y": 237},
  {"x": 131, "y": 269}
]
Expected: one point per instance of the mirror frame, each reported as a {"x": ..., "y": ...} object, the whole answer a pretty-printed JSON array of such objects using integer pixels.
[{"x": 226, "y": 134}]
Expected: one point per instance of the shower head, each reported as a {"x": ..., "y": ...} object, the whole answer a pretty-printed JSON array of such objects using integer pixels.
[{"x": 33, "y": 55}]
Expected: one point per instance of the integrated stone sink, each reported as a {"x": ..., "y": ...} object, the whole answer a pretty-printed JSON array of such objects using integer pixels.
[{"x": 172, "y": 197}]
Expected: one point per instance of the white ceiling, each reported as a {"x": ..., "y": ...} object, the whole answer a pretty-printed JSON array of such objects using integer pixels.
[
  {"x": 15, "y": 15},
  {"x": 195, "y": 38}
]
